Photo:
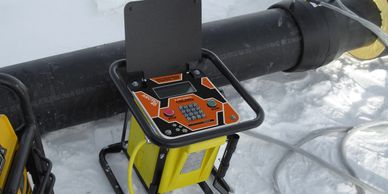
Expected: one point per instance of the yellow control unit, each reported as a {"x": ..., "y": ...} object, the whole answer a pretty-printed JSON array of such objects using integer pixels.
[
  {"x": 8, "y": 147},
  {"x": 178, "y": 118}
]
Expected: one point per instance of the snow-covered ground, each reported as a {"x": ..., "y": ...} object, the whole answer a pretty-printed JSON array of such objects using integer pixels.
[{"x": 345, "y": 93}]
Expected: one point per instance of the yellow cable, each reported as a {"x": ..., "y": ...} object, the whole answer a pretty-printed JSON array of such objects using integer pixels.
[{"x": 131, "y": 163}]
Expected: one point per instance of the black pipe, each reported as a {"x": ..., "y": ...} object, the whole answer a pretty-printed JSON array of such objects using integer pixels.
[{"x": 75, "y": 87}]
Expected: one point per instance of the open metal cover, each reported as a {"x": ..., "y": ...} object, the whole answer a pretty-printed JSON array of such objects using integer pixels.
[{"x": 162, "y": 33}]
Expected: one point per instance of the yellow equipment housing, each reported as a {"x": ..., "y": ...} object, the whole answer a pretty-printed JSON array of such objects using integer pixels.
[
  {"x": 183, "y": 166},
  {"x": 8, "y": 147}
]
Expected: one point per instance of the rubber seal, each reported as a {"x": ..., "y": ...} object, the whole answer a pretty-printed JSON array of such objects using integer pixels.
[
  {"x": 314, "y": 31},
  {"x": 375, "y": 49}
]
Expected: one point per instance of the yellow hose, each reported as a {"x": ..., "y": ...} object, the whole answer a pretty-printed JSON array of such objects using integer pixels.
[{"x": 131, "y": 163}]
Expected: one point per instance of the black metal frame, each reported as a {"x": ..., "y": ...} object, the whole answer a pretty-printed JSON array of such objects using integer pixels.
[
  {"x": 121, "y": 78},
  {"x": 30, "y": 152}
]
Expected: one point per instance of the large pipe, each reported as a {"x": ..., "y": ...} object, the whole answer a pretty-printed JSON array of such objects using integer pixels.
[{"x": 75, "y": 87}]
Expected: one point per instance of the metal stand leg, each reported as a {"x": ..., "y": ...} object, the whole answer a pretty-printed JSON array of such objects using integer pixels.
[
  {"x": 219, "y": 182},
  {"x": 125, "y": 126},
  {"x": 48, "y": 179},
  {"x": 154, "y": 187},
  {"x": 205, "y": 188},
  {"x": 111, "y": 149},
  {"x": 114, "y": 148}
]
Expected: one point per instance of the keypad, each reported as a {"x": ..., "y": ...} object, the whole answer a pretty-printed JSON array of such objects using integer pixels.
[{"x": 192, "y": 112}]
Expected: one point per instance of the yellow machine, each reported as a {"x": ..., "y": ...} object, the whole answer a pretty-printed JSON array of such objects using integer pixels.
[
  {"x": 180, "y": 119},
  {"x": 21, "y": 150},
  {"x": 8, "y": 147},
  {"x": 178, "y": 124}
]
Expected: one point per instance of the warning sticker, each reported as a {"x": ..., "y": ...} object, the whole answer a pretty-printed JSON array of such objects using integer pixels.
[{"x": 193, "y": 162}]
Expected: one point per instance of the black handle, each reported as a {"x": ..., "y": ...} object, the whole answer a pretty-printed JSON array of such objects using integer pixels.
[
  {"x": 15, "y": 85},
  {"x": 26, "y": 140},
  {"x": 155, "y": 136},
  {"x": 239, "y": 88}
]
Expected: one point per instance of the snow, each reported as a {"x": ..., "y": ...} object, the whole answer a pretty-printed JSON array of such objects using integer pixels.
[{"x": 346, "y": 92}]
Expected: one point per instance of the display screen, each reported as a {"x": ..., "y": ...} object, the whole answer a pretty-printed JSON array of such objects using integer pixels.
[{"x": 174, "y": 90}]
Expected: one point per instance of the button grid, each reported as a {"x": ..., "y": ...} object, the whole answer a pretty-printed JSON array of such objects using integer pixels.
[{"x": 192, "y": 112}]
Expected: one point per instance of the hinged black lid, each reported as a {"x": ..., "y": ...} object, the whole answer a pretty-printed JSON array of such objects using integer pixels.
[{"x": 162, "y": 33}]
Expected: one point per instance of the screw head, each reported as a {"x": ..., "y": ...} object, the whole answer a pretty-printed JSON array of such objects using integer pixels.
[{"x": 135, "y": 84}]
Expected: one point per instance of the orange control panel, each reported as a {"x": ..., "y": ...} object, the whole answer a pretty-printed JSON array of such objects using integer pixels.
[{"x": 186, "y": 103}]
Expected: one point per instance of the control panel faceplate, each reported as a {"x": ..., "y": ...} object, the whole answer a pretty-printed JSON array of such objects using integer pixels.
[{"x": 181, "y": 104}]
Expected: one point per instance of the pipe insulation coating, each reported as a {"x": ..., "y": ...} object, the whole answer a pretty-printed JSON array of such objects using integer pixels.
[{"x": 75, "y": 87}]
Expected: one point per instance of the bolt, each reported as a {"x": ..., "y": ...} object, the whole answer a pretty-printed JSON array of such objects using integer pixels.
[{"x": 135, "y": 84}]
